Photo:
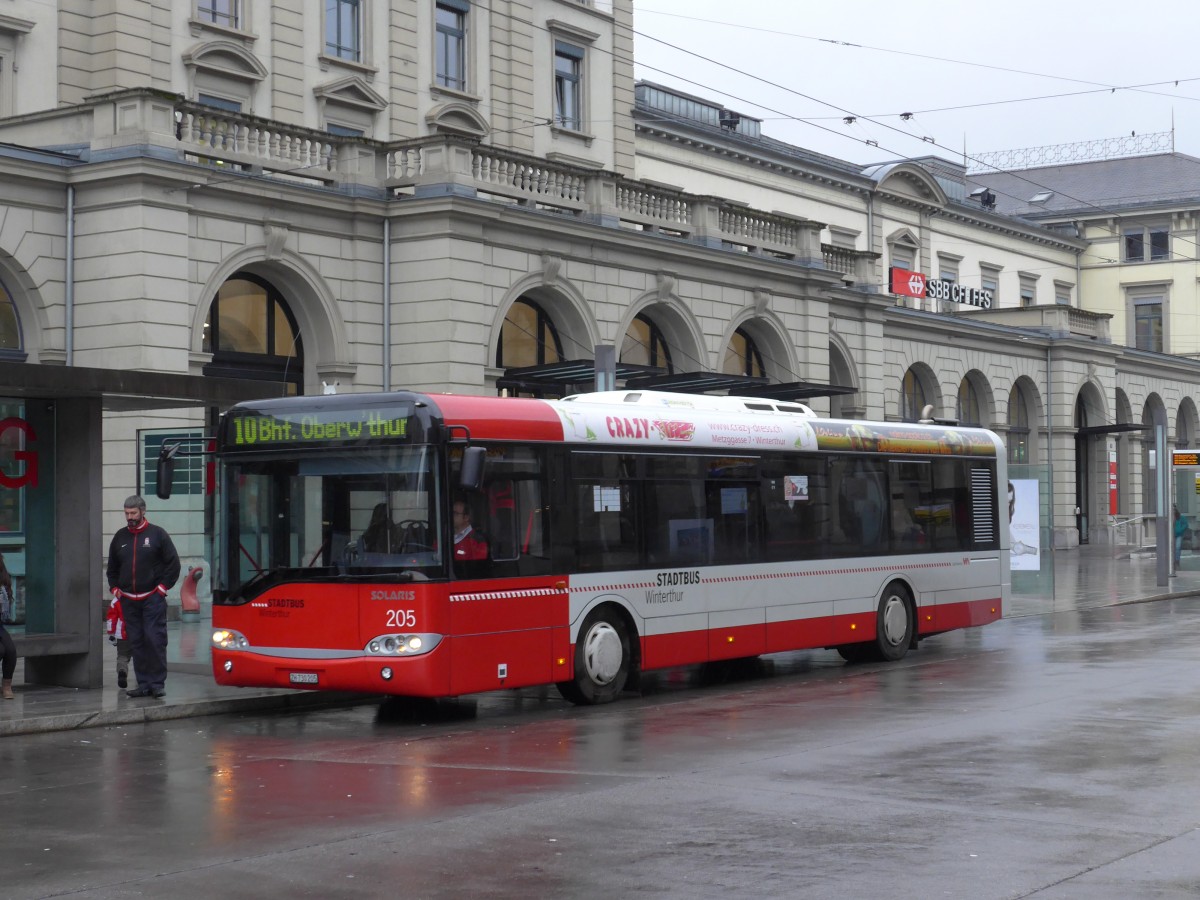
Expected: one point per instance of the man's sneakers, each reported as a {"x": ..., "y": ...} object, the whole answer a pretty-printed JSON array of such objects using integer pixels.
[
  {"x": 122, "y": 680},
  {"x": 140, "y": 691}
]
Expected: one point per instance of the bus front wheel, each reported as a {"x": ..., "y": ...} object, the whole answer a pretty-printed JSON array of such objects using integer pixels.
[{"x": 602, "y": 660}]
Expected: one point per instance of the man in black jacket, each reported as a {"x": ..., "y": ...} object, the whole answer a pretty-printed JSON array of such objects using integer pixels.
[{"x": 142, "y": 567}]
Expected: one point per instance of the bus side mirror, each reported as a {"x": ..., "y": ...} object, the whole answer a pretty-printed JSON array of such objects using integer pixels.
[
  {"x": 165, "y": 475},
  {"x": 470, "y": 477}
]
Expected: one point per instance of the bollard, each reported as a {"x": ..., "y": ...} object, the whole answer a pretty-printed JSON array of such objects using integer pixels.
[{"x": 188, "y": 601}]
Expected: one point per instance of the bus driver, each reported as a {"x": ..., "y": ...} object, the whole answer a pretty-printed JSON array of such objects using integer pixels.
[{"x": 468, "y": 546}]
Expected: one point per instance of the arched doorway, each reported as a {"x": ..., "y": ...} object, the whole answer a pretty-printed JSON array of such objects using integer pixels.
[
  {"x": 967, "y": 407},
  {"x": 1092, "y": 428},
  {"x": 10, "y": 325},
  {"x": 646, "y": 345},
  {"x": 842, "y": 406},
  {"x": 918, "y": 389},
  {"x": 1082, "y": 466},
  {"x": 251, "y": 333},
  {"x": 1153, "y": 411},
  {"x": 1019, "y": 433},
  {"x": 528, "y": 337},
  {"x": 742, "y": 356}
]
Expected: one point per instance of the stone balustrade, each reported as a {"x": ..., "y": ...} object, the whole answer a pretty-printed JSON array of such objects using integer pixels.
[
  {"x": 436, "y": 165},
  {"x": 1054, "y": 319},
  {"x": 258, "y": 144},
  {"x": 426, "y": 165}
]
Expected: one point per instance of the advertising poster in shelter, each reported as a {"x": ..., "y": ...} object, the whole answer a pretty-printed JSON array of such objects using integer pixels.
[{"x": 1024, "y": 525}]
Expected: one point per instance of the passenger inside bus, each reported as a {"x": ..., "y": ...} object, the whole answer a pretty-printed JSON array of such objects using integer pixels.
[
  {"x": 381, "y": 534},
  {"x": 861, "y": 507}
]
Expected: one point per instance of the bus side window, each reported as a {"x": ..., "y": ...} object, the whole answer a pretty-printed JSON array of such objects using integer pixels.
[
  {"x": 509, "y": 512},
  {"x": 796, "y": 508},
  {"x": 606, "y": 537},
  {"x": 863, "y": 524},
  {"x": 501, "y": 527}
]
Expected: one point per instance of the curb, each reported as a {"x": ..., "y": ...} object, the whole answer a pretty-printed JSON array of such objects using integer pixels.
[{"x": 138, "y": 715}]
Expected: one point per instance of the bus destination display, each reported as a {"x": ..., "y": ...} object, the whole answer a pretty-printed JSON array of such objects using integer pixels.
[{"x": 252, "y": 428}]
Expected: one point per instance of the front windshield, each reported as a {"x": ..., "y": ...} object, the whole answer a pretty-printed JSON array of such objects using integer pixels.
[{"x": 345, "y": 513}]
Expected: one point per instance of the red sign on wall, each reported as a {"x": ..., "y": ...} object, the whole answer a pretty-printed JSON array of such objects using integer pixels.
[
  {"x": 906, "y": 283},
  {"x": 1112, "y": 482},
  {"x": 15, "y": 437}
]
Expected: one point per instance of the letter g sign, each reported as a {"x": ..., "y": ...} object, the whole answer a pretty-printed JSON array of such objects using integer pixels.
[{"x": 29, "y": 457}]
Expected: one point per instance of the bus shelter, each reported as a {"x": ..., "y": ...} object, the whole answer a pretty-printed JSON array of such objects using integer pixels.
[
  {"x": 1185, "y": 490},
  {"x": 52, "y": 534}
]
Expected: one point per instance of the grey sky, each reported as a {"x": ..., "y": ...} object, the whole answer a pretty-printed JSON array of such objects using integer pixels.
[{"x": 1087, "y": 47}]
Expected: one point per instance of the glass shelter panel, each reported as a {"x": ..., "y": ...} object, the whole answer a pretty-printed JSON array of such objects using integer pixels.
[{"x": 27, "y": 509}]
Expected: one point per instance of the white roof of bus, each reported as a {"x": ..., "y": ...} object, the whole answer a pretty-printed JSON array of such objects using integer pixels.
[{"x": 669, "y": 400}]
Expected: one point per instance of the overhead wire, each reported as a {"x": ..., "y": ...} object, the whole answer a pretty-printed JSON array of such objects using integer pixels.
[
  {"x": 855, "y": 117},
  {"x": 848, "y": 113},
  {"x": 1102, "y": 86}
]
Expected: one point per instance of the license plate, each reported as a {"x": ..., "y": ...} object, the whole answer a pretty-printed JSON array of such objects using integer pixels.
[{"x": 302, "y": 677}]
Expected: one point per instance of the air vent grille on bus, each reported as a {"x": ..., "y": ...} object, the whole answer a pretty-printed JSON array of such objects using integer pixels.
[
  {"x": 709, "y": 402},
  {"x": 983, "y": 510}
]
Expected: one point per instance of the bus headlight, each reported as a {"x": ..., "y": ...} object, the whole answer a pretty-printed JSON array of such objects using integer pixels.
[
  {"x": 402, "y": 644},
  {"x": 225, "y": 639}
]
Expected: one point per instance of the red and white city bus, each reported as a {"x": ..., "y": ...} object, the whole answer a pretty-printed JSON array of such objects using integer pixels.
[{"x": 621, "y": 532}]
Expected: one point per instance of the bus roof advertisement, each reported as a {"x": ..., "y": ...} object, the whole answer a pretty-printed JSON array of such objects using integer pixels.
[
  {"x": 685, "y": 428},
  {"x": 902, "y": 439}
]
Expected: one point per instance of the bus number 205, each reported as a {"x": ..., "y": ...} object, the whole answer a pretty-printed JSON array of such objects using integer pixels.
[{"x": 401, "y": 618}]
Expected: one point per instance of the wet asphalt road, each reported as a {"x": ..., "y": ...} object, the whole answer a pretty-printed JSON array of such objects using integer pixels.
[{"x": 1045, "y": 756}]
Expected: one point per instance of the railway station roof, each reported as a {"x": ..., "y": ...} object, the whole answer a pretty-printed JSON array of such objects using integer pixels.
[
  {"x": 567, "y": 377},
  {"x": 124, "y": 390}
]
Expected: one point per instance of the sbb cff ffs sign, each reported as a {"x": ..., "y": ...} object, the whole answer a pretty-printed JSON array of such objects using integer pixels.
[{"x": 907, "y": 283}]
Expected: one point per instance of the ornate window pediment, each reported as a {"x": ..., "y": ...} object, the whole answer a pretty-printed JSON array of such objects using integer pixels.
[
  {"x": 11, "y": 25},
  {"x": 224, "y": 70},
  {"x": 456, "y": 117},
  {"x": 351, "y": 91},
  {"x": 907, "y": 181},
  {"x": 349, "y": 106},
  {"x": 226, "y": 59}
]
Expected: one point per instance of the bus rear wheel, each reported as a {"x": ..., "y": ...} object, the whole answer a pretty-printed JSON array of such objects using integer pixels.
[
  {"x": 602, "y": 659},
  {"x": 894, "y": 623}
]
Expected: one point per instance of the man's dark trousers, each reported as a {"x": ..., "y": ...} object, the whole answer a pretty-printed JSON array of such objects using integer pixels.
[{"x": 146, "y": 625}]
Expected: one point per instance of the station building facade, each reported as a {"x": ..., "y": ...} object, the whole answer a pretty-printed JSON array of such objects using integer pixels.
[{"x": 464, "y": 196}]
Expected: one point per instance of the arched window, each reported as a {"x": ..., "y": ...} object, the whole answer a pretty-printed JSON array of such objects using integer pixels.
[
  {"x": 1018, "y": 427},
  {"x": 10, "y": 323},
  {"x": 742, "y": 356},
  {"x": 968, "y": 403},
  {"x": 251, "y": 334},
  {"x": 644, "y": 345},
  {"x": 527, "y": 337},
  {"x": 912, "y": 397}
]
